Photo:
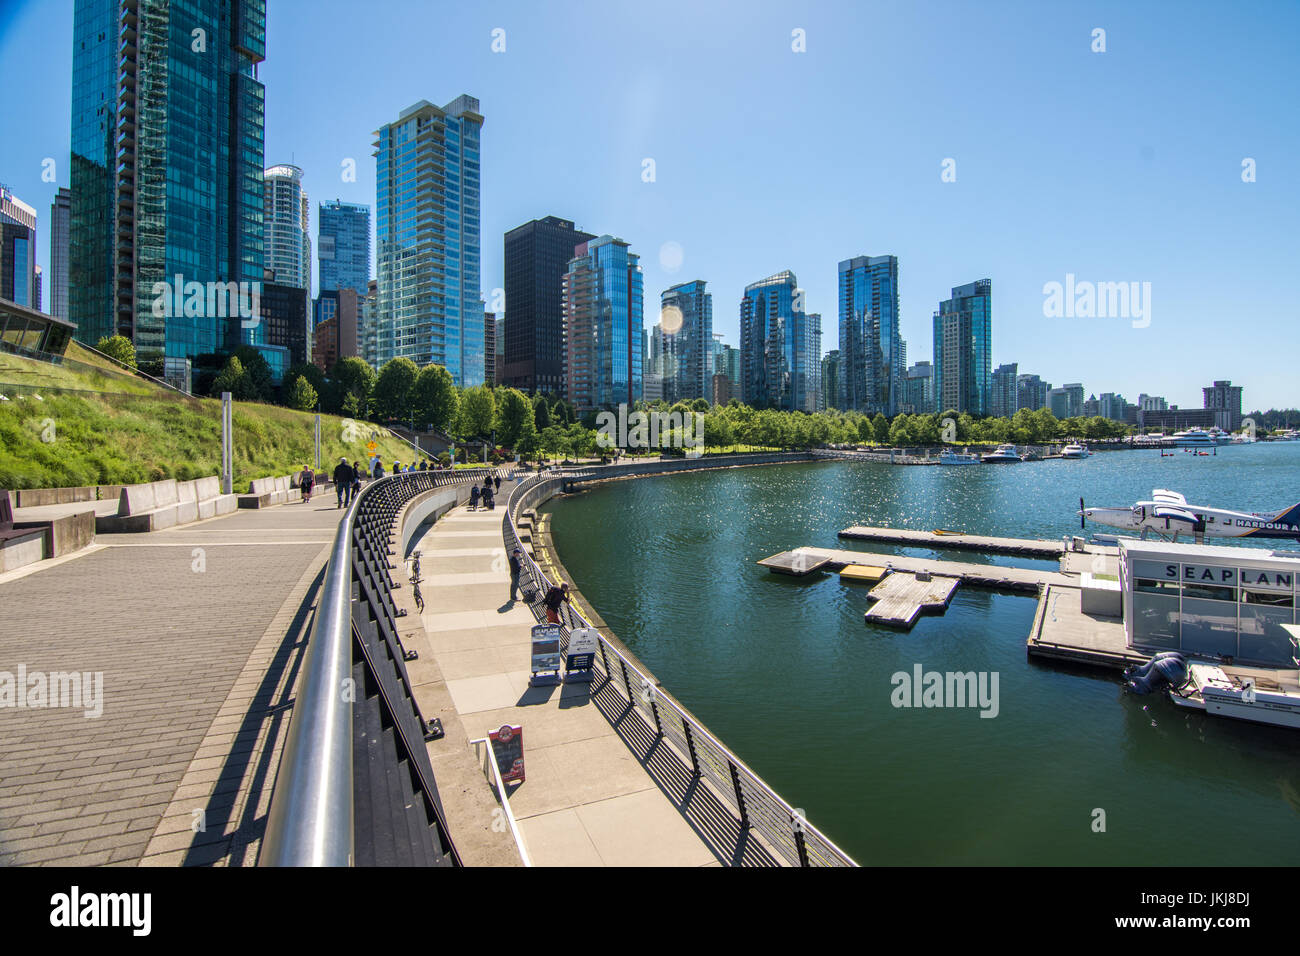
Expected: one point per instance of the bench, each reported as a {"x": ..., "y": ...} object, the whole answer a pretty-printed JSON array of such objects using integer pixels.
[
  {"x": 18, "y": 546},
  {"x": 156, "y": 505},
  {"x": 265, "y": 492}
]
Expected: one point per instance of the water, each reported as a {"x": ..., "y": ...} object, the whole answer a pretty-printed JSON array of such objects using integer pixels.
[{"x": 789, "y": 676}]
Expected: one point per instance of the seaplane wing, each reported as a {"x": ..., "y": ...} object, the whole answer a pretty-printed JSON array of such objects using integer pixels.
[
  {"x": 1163, "y": 496},
  {"x": 1175, "y": 514}
]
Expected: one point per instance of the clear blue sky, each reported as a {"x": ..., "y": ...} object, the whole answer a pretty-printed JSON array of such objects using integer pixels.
[{"x": 1115, "y": 166}]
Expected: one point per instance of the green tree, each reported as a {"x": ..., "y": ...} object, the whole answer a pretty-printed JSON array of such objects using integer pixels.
[
  {"x": 118, "y": 347},
  {"x": 477, "y": 412},
  {"x": 353, "y": 377},
  {"x": 880, "y": 429},
  {"x": 391, "y": 396},
  {"x": 234, "y": 379},
  {"x": 514, "y": 417},
  {"x": 434, "y": 397},
  {"x": 541, "y": 412},
  {"x": 257, "y": 371},
  {"x": 314, "y": 376},
  {"x": 301, "y": 395}
]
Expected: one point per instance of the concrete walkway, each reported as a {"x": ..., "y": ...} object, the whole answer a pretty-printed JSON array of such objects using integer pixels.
[
  {"x": 588, "y": 800},
  {"x": 198, "y": 631}
]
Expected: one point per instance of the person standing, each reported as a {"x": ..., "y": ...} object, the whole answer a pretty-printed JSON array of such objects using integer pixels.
[
  {"x": 343, "y": 475},
  {"x": 496, "y": 480},
  {"x": 307, "y": 480},
  {"x": 555, "y": 598},
  {"x": 378, "y": 470},
  {"x": 473, "y": 498},
  {"x": 516, "y": 568}
]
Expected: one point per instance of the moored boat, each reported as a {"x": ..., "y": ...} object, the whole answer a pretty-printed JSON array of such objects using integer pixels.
[{"x": 1005, "y": 455}]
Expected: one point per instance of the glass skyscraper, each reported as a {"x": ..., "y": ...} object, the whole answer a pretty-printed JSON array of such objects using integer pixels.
[
  {"x": 60, "y": 222},
  {"x": 686, "y": 333},
  {"x": 18, "y": 278},
  {"x": 167, "y": 158},
  {"x": 871, "y": 348},
  {"x": 285, "y": 223},
  {"x": 775, "y": 344},
  {"x": 963, "y": 348},
  {"x": 604, "y": 325},
  {"x": 343, "y": 246},
  {"x": 427, "y": 226}
]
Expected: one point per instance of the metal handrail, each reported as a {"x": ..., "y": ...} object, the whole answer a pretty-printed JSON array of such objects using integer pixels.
[
  {"x": 311, "y": 817},
  {"x": 788, "y": 832},
  {"x": 505, "y": 799}
]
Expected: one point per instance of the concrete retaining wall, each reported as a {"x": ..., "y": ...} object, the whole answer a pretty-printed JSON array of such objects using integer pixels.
[{"x": 38, "y": 497}]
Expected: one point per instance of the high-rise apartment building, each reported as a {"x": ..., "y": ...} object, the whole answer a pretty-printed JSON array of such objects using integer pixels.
[
  {"x": 1003, "y": 394},
  {"x": 287, "y": 239},
  {"x": 871, "y": 347},
  {"x": 60, "y": 223},
  {"x": 603, "y": 325},
  {"x": 1224, "y": 399},
  {"x": 918, "y": 389},
  {"x": 537, "y": 256},
  {"x": 774, "y": 341},
  {"x": 167, "y": 160},
  {"x": 1066, "y": 401},
  {"x": 17, "y": 250},
  {"x": 686, "y": 333},
  {"x": 427, "y": 228},
  {"x": 1031, "y": 392},
  {"x": 343, "y": 246},
  {"x": 963, "y": 331}
]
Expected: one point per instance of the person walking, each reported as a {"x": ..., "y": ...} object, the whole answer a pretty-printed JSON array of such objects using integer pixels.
[
  {"x": 496, "y": 480},
  {"x": 488, "y": 499},
  {"x": 307, "y": 480},
  {"x": 343, "y": 475},
  {"x": 355, "y": 487},
  {"x": 516, "y": 568},
  {"x": 378, "y": 470},
  {"x": 473, "y": 498},
  {"x": 555, "y": 598}
]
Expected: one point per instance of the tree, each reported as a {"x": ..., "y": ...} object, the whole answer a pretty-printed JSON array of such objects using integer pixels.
[
  {"x": 477, "y": 412},
  {"x": 353, "y": 377},
  {"x": 118, "y": 347},
  {"x": 434, "y": 397},
  {"x": 514, "y": 417},
  {"x": 257, "y": 371},
  {"x": 880, "y": 429},
  {"x": 391, "y": 396},
  {"x": 301, "y": 394},
  {"x": 541, "y": 412},
  {"x": 314, "y": 376},
  {"x": 234, "y": 379}
]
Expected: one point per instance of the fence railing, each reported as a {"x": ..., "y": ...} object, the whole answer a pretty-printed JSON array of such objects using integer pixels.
[
  {"x": 758, "y": 807},
  {"x": 354, "y": 697}
]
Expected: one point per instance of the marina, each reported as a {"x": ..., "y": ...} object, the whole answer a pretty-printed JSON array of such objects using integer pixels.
[{"x": 901, "y": 598}]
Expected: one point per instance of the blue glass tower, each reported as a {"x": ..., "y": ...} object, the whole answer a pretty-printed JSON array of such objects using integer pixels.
[
  {"x": 686, "y": 326},
  {"x": 963, "y": 349},
  {"x": 871, "y": 348},
  {"x": 604, "y": 325},
  {"x": 343, "y": 246},
  {"x": 775, "y": 362},
  {"x": 427, "y": 227}
]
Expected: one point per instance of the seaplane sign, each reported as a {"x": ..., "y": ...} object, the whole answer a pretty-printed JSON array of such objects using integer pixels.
[{"x": 1168, "y": 514}]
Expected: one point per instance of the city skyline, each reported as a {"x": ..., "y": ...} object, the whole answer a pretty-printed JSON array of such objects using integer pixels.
[{"x": 1142, "y": 191}]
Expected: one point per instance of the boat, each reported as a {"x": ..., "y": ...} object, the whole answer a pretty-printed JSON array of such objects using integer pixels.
[
  {"x": 950, "y": 457},
  {"x": 1261, "y": 699},
  {"x": 1074, "y": 450},
  {"x": 1200, "y": 438},
  {"x": 1005, "y": 455}
]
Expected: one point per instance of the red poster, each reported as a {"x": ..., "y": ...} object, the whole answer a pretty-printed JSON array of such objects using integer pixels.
[{"x": 508, "y": 747}]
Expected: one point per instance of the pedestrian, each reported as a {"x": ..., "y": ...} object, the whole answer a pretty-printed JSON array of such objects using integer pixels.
[
  {"x": 489, "y": 499},
  {"x": 378, "y": 471},
  {"x": 306, "y": 481},
  {"x": 516, "y": 568},
  {"x": 355, "y": 487},
  {"x": 397, "y": 467},
  {"x": 343, "y": 475},
  {"x": 424, "y": 465},
  {"x": 473, "y": 498},
  {"x": 555, "y": 597},
  {"x": 497, "y": 478}
]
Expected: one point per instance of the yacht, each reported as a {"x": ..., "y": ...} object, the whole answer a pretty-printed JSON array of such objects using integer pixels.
[
  {"x": 950, "y": 457},
  {"x": 1006, "y": 454},
  {"x": 1198, "y": 438},
  {"x": 1074, "y": 450}
]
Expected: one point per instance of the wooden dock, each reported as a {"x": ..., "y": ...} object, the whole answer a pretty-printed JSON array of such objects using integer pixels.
[
  {"x": 1063, "y": 631},
  {"x": 957, "y": 540},
  {"x": 1017, "y": 580},
  {"x": 902, "y": 597}
]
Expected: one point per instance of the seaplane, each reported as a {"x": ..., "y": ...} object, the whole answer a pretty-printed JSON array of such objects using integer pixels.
[{"x": 1169, "y": 515}]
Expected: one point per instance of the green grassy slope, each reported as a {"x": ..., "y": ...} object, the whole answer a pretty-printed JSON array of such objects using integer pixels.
[{"x": 101, "y": 426}]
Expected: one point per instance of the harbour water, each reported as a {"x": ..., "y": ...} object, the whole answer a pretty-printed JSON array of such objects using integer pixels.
[{"x": 789, "y": 676}]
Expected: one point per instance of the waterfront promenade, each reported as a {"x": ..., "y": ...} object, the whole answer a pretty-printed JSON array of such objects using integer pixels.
[
  {"x": 198, "y": 631},
  {"x": 589, "y": 799}
]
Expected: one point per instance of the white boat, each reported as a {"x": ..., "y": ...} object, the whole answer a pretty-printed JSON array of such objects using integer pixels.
[
  {"x": 950, "y": 457},
  {"x": 1196, "y": 438},
  {"x": 1005, "y": 455},
  {"x": 1074, "y": 450},
  {"x": 1263, "y": 700}
]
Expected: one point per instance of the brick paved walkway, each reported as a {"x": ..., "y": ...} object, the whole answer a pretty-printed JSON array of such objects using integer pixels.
[{"x": 198, "y": 632}]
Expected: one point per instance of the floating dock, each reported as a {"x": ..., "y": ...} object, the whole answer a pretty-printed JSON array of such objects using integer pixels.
[
  {"x": 1063, "y": 631},
  {"x": 959, "y": 541},
  {"x": 1018, "y": 580},
  {"x": 901, "y": 598}
]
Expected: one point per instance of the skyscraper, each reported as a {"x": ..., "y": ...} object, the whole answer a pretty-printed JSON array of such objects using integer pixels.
[
  {"x": 774, "y": 340},
  {"x": 831, "y": 368},
  {"x": 810, "y": 373},
  {"x": 537, "y": 256},
  {"x": 1224, "y": 399},
  {"x": 1003, "y": 401},
  {"x": 427, "y": 224},
  {"x": 167, "y": 158},
  {"x": 963, "y": 350},
  {"x": 17, "y": 250},
  {"x": 918, "y": 389},
  {"x": 871, "y": 348},
  {"x": 686, "y": 329},
  {"x": 343, "y": 246},
  {"x": 1031, "y": 392},
  {"x": 60, "y": 221},
  {"x": 603, "y": 325},
  {"x": 284, "y": 216}
]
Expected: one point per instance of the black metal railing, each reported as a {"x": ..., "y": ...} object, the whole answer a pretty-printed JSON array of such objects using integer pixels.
[
  {"x": 355, "y": 786},
  {"x": 759, "y": 809}
]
